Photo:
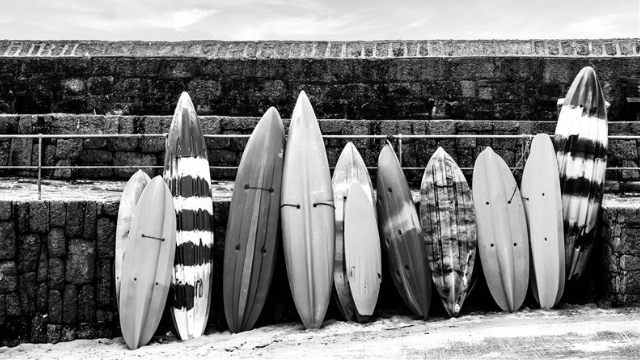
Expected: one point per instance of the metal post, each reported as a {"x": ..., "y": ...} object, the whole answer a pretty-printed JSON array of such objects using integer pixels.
[
  {"x": 39, "y": 166},
  {"x": 399, "y": 136}
]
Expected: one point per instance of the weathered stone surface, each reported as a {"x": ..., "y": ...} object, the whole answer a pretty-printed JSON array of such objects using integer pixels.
[
  {"x": 56, "y": 273},
  {"x": 13, "y": 309},
  {"x": 87, "y": 304},
  {"x": 53, "y": 333},
  {"x": 5, "y": 210},
  {"x": 68, "y": 148},
  {"x": 21, "y": 208},
  {"x": 57, "y": 213},
  {"x": 57, "y": 242},
  {"x": 90, "y": 213},
  {"x": 27, "y": 291},
  {"x": 80, "y": 265},
  {"x": 104, "y": 282},
  {"x": 3, "y": 305},
  {"x": 70, "y": 304},
  {"x": 39, "y": 217},
  {"x": 42, "y": 298},
  {"x": 43, "y": 264},
  {"x": 7, "y": 240},
  {"x": 68, "y": 333},
  {"x": 28, "y": 252},
  {"x": 106, "y": 235},
  {"x": 9, "y": 276},
  {"x": 75, "y": 219},
  {"x": 39, "y": 329},
  {"x": 104, "y": 316},
  {"x": 86, "y": 331},
  {"x": 55, "y": 306}
]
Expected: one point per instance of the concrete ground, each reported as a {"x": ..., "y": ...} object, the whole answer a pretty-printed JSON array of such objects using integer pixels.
[{"x": 572, "y": 332}]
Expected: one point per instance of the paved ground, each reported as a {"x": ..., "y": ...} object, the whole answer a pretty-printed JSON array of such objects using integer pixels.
[{"x": 573, "y": 332}]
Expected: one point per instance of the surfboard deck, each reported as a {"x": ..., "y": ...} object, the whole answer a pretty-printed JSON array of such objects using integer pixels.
[
  {"x": 542, "y": 200},
  {"x": 400, "y": 228},
  {"x": 147, "y": 263},
  {"x": 252, "y": 226},
  {"x": 362, "y": 251},
  {"x": 128, "y": 200},
  {"x": 581, "y": 140},
  {"x": 447, "y": 217},
  {"x": 503, "y": 240},
  {"x": 307, "y": 213},
  {"x": 350, "y": 168},
  {"x": 186, "y": 172}
]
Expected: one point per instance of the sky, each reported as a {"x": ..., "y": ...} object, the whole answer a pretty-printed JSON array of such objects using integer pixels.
[{"x": 332, "y": 20}]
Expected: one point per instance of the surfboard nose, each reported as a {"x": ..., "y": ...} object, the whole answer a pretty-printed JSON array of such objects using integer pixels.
[
  {"x": 303, "y": 114},
  {"x": 585, "y": 91},
  {"x": 185, "y": 139}
]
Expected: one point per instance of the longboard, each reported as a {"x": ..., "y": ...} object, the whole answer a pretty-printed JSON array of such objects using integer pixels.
[
  {"x": 449, "y": 226},
  {"x": 186, "y": 171},
  {"x": 362, "y": 256},
  {"x": 502, "y": 230},
  {"x": 403, "y": 242},
  {"x": 252, "y": 226},
  {"x": 128, "y": 200},
  {"x": 350, "y": 168},
  {"x": 146, "y": 268},
  {"x": 540, "y": 190},
  {"x": 580, "y": 141},
  {"x": 307, "y": 212}
]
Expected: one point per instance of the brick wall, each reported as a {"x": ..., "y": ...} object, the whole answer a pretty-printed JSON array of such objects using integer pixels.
[{"x": 351, "y": 80}]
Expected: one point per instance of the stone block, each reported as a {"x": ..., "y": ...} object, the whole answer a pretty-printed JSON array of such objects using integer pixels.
[
  {"x": 53, "y": 333},
  {"x": 9, "y": 276},
  {"x": 104, "y": 316},
  {"x": 104, "y": 282},
  {"x": 68, "y": 148},
  {"x": 28, "y": 252},
  {"x": 13, "y": 309},
  {"x": 110, "y": 208},
  {"x": 21, "y": 208},
  {"x": 80, "y": 266},
  {"x": 39, "y": 217},
  {"x": 62, "y": 173},
  {"x": 27, "y": 292},
  {"x": 106, "y": 235},
  {"x": 87, "y": 304},
  {"x": 75, "y": 219},
  {"x": 56, "y": 274},
  {"x": 5, "y": 210},
  {"x": 55, "y": 306},
  {"x": 20, "y": 152},
  {"x": 57, "y": 213},
  {"x": 3, "y": 306},
  {"x": 7, "y": 240},
  {"x": 94, "y": 143},
  {"x": 39, "y": 329},
  {"x": 87, "y": 331},
  {"x": 42, "y": 298},
  {"x": 57, "y": 242},
  {"x": 103, "y": 157},
  {"x": 43, "y": 264},
  {"x": 131, "y": 158},
  {"x": 90, "y": 214},
  {"x": 68, "y": 333},
  {"x": 70, "y": 304}
]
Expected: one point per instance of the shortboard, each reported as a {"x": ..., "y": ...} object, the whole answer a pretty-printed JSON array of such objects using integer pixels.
[
  {"x": 580, "y": 140},
  {"x": 350, "y": 169},
  {"x": 448, "y": 223},
  {"x": 307, "y": 212},
  {"x": 540, "y": 190},
  {"x": 252, "y": 226},
  {"x": 147, "y": 264},
  {"x": 128, "y": 201},
  {"x": 402, "y": 235},
  {"x": 503, "y": 240},
  {"x": 186, "y": 172}
]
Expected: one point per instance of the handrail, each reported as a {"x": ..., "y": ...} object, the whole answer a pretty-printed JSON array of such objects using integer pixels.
[{"x": 399, "y": 137}]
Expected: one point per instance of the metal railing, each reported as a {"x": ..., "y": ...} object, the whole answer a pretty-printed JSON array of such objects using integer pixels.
[{"x": 525, "y": 138}]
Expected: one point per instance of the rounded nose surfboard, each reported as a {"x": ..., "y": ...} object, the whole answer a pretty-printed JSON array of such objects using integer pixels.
[
  {"x": 128, "y": 200},
  {"x": 186, "y": 171},
  {"x": 449, "y": 227},
  {"x": 400, "y": 227},
  {"x": 307, "y": 213},
  {"x": 540, "y": 190},
  {"x": 502, "y": 230},
  {"x": 580, "y": 141},
  {"x": 350, "y": 169},
  {"x": 146, "y": 268},
  {"x": 252, "y": 226}
]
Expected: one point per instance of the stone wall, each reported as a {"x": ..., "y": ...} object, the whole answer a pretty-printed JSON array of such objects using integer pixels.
[
  {"x": 351, "y": 80},
  {"x": 57, "y": 284},
  {"x": 225, "y": 152}
]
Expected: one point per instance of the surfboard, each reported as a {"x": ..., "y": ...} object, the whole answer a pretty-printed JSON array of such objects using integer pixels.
[
  {"x": 307, "y": 212},
  {"x": 128, "y": 201},
  {"x": 350, "y": 168},
  {"x": 362, "y": 256},
  {"x": 540, "y": 190},
  {"x": 252, "y": 226},
  {"x": 403, "y": 242},
  {"x": 580, "y": 140},
  {"x": 186, "y": 172},
  {"x": 147, "y": 263},
  {"x": 503, "y": 240},
  {"x": 448, "y": 223}
]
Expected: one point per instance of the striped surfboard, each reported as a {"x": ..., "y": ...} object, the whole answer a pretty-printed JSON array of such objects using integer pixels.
[
  {"x": 186, "y": 172},
  {"x": 449, "y": 226},
  {"x": 581, "y": 149}
]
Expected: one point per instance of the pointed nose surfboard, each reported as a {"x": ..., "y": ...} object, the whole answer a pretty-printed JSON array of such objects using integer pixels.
[
  {"x": 147, "y": 264},
  {"x": 252, "y": 226},
  {"x": 307, "y": 212},
  {"x": 186, "y": 172}
]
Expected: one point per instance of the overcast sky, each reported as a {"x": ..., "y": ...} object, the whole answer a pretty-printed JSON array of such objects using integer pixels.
[{"x": 317, "y": 20}]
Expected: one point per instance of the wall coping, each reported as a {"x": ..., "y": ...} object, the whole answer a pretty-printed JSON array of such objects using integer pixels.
[{"x": 382, "y": 49}]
